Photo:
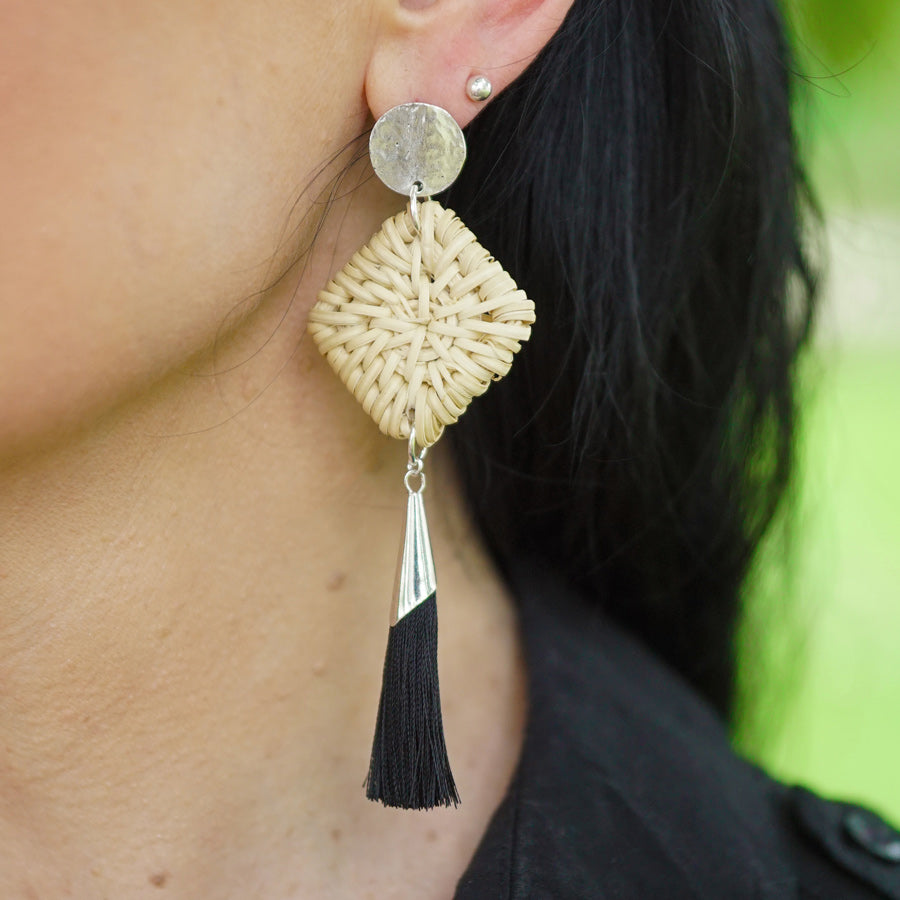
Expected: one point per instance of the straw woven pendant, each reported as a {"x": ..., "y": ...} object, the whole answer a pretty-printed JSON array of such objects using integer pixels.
[{"x": 420, "y": 320}]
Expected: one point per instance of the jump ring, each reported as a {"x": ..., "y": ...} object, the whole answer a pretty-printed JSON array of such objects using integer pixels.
[
  {"x": 416, "y": 457},
  {"x": 413, "y": 473},
  {"x": 414, "y": 203}
]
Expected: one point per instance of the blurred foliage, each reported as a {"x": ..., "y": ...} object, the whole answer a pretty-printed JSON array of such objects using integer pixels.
[
  {"x": 841, "y": 31},
  {"x": 847, "y": 56},
  {"x": 818, "y": 645}
]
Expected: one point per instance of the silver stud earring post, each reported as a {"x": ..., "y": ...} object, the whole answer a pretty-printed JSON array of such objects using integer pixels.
[{"x": 478, "y": 88}]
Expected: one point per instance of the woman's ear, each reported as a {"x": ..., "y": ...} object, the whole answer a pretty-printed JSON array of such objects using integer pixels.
[{"x": 427, "y": 50}]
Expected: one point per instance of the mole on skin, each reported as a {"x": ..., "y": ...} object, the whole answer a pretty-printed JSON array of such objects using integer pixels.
[
  {"x": 159, "y": 879},
  {"x": 336, "y": 582}
]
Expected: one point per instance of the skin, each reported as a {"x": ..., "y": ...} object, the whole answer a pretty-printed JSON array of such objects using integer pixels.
[{"x": 199, "y": 524}]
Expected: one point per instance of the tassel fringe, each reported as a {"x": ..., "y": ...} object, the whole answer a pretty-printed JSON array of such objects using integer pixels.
[{"x": 409, "y": 768}]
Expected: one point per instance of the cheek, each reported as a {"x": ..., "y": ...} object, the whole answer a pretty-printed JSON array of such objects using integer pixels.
[{"x": 148, "y": 166}]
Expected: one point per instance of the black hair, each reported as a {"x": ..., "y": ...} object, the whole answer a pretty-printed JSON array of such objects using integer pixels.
[{"x": 640, "y": 182}]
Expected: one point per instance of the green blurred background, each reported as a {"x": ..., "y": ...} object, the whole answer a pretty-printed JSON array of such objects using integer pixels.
[{"x": 820, "y": 657}]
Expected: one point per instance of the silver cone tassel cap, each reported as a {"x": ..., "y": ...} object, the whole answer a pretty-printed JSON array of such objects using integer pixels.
[{"x": 415, "y": 572}]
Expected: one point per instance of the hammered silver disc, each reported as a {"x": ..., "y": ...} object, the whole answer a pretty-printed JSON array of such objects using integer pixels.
[{"x": 417, "y": 142}]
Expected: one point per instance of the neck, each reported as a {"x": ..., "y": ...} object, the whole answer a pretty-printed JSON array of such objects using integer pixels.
[{"x": 196, "y": 592}]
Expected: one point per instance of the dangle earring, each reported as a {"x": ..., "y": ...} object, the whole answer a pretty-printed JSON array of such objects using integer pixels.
[{"x": 418, "y": 323}]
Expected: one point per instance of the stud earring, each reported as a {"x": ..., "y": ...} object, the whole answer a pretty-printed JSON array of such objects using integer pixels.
[
  {"x": 479, "y": 88},
  {"x": 418, "y": 323}
]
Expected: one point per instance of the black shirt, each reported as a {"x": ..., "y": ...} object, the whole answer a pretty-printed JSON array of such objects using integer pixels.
[{"x": 627, "y": 787}]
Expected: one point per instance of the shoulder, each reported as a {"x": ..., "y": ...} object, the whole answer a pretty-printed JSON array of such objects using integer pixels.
[{"x": 628, "y": 788}]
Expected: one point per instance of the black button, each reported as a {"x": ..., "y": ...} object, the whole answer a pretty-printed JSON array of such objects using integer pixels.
[
  {"x": 872, "y": 834},
  {"x": 855, "y": 838}
]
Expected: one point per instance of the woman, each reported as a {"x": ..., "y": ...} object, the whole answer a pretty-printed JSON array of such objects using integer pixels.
[{"x": 200, "y": 523}]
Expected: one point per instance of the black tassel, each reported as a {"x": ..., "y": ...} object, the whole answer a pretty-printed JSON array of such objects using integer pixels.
[{"x": 409, "y": 766}]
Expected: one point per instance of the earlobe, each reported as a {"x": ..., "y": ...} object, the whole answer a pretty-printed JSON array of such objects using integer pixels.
[{"x": 431, "y": 50}]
